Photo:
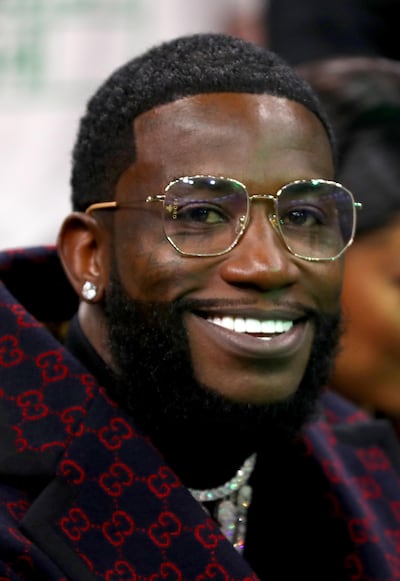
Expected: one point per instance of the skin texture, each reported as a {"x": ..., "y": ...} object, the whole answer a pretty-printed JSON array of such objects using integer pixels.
[
  {"x": 370, "y": 346},
  {"x": 263, "y": 141}
]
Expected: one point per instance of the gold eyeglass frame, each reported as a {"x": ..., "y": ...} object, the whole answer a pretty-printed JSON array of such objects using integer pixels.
[{"x": 244, "y": 220}]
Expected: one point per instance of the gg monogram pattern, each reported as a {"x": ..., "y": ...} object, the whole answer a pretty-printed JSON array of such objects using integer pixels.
[
  {"x": 104, "y": 505},
  {"x": 85, "y": 496}
]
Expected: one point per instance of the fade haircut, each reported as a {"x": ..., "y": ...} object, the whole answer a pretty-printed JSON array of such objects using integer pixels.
[{"x": 186, "y": 66}]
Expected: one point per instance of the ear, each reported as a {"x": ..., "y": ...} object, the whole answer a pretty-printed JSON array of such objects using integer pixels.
[{"x": 83, "y": 247}]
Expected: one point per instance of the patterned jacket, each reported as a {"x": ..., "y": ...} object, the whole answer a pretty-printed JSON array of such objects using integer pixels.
[{"x": 83, "y": 493}]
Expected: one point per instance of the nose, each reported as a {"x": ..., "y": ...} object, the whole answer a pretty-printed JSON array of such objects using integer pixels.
[{"x": 260, "y": 259}]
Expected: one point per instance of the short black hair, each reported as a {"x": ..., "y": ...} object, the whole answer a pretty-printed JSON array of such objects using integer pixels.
[{"x": 189, "y": 65}]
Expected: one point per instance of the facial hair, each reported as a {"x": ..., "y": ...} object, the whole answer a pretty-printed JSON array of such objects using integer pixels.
[{"x": 156, "y": 384}]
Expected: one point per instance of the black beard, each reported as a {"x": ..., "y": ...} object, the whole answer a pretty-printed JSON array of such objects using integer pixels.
[{"x": 157, "y": 386}]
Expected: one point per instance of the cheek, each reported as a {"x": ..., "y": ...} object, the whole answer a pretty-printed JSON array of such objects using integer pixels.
[
  {"x": 150, "y": 269},
  {"x": 326, "y": 281}
]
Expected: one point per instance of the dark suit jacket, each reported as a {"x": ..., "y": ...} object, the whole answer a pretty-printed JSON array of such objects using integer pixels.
[{"x": 84, "y": 495}]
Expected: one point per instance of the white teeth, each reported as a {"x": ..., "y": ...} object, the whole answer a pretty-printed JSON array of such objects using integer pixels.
[
  {"x": 239, "y": 325},
  {"x": 252, "y": 326}
]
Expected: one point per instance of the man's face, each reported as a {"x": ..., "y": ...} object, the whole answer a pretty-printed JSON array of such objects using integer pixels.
[{"x": 264, "y": 142}]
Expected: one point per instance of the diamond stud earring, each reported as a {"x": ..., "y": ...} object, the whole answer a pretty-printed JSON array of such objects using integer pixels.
[{"x": 89, "y": 291}]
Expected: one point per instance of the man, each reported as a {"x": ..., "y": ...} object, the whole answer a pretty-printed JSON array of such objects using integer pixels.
[{"x": 165, "y": 440}]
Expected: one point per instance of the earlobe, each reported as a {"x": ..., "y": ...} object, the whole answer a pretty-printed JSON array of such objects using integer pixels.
[{"x": 83, "y": 250}]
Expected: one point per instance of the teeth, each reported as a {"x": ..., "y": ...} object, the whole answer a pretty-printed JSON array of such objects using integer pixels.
[{"x": 253, "y": 326}]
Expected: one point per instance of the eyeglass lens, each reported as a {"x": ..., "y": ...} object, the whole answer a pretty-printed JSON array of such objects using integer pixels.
[
  {"x": 316, "y": 218},
  {"x": 204, "y": 215}
]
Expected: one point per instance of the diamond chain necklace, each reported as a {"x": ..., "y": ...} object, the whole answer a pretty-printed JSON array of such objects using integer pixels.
[{"x": 234, "y": 498}]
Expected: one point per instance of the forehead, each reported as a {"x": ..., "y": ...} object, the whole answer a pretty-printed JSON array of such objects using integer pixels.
[{"x": 235, "y": 134}]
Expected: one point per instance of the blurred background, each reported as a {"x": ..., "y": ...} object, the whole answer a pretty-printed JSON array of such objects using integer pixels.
[{"x": 54, "y": 54}]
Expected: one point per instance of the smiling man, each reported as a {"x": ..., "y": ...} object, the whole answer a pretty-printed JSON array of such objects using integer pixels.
[{"x": 181, "y": 431}]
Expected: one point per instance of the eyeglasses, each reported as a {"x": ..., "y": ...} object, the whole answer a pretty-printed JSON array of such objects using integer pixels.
[{"x": 206, "y": 215}]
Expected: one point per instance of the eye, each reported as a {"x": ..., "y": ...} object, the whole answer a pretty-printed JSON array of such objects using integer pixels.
[
  {"x": 303, "y": 217},
  {"x": 201, "y": 213}
]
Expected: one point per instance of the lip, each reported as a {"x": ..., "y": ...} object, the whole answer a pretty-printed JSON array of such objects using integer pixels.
[{"x": 245, "y": 345}]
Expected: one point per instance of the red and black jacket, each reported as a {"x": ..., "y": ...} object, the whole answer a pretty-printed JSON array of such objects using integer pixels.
[{"x": 84, "y": 495}]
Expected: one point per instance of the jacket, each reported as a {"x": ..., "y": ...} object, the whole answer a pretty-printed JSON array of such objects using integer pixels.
[{"x": 84, "y": 494}]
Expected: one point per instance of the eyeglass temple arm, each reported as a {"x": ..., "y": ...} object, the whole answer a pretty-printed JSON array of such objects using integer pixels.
[
  {"x": 100, "y": 206},
  {"x": 114, "y": 204}
]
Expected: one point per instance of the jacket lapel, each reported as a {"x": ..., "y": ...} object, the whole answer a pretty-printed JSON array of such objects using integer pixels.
[
  {"x": 108, "y": 507},
  {"x": 360, "y": 458}
]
